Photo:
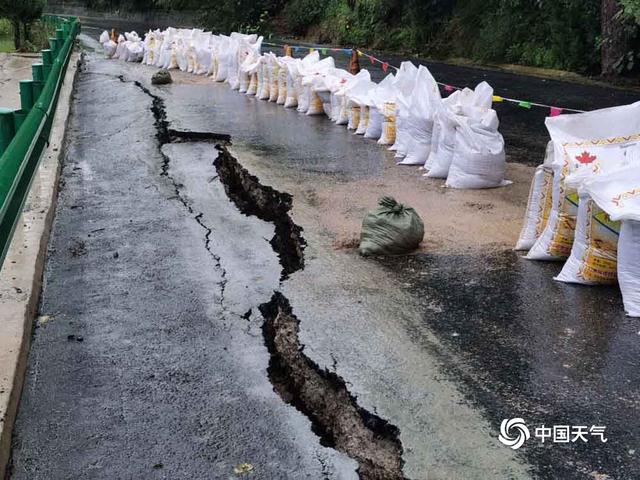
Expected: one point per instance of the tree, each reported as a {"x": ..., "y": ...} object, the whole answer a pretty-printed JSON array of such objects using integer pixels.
[
  {"x": 21, "y": 14},
  {"x": 614, "y": 43}
]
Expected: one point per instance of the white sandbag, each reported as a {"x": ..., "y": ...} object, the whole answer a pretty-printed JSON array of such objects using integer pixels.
[
  {"x": 419, "y": 119},
  {"x": 325, "y": 97},
  {"x": 618, "y": 194},
  {"x": 441, "y": 155},
  {"x": 348, "y": 86},
  {"x": 374, "y": 127},
  {"x": 461, "y": 103},
  {"x": 109, "y": 48},
  {"x": 629, "y": 266},
  {"x": 583, "y": 143},
  {"x": 253, "y": 84},
  {"x": 593, "y": 258},
  {"x": 181, "y": 55},
  {"x": 538, "y": 208},
  {"x": 364, "y": 120},
  {"x": 404, "y": 84},
  {"x": 135, "y": 51},
  {"x": 120, "y": 48},
  {"x": 388, "y": 135},
  {"x": 264, "y": 85},
  {"x": 282, "y": 85},
  {"x": 304, "y": 97},
  {"x": 274, "y": 70},
  {"x": 319, "y": 94},
  {"x": 479, "y": 158},
  {"x": 354, "y": 117},
  {"x": 383, "y": 92}
]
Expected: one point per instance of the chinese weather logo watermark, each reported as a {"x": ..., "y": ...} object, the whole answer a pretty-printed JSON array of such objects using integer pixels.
[{"x": 514, "y": 432}]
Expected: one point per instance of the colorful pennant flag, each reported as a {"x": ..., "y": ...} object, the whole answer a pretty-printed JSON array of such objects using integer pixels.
[
  {"x": 311, "y": 50},
  {"x": 347, "y": 51},
  {"x": 385, "y": 67},
  {"x": 323, "y": 51},
  {"x": 497, "y": 99},
  {"x": 556, "y": 111},
  {"x": 373, "y": 60},
  {"x": 449, "y": 88},
  {"x": 524, "y": 104}
]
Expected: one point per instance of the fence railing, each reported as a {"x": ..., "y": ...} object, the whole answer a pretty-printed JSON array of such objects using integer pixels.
[{"x": 24, "y": 133}]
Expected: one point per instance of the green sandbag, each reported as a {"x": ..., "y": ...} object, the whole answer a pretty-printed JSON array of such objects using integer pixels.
[{"x": 391, "y": 229}]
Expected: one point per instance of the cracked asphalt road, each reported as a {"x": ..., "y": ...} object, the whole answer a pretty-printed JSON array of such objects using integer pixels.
[
  {"x": 170, "y": 378},
  {"x": 146, "y": 370}
]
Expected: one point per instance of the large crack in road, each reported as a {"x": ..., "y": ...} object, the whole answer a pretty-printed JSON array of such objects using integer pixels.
[{"x": 319, "y": 394}]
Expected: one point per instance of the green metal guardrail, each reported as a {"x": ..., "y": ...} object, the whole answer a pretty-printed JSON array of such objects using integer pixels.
[{"x": 24, "y": 133}]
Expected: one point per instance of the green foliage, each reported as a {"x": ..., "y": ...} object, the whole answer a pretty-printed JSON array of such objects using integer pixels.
[
  {"x": 631, "y": 9},
  {"x": 21, "y": 16},
  {"x": 554, "y": 34},
  {"x": 301, "y": 14},
  {"x": 563, "y": 34}
]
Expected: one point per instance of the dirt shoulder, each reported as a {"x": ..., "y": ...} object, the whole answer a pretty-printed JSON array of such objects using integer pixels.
[{"x": 455, "y": 220}]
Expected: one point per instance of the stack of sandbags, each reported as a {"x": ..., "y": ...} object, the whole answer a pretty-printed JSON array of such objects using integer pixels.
[
  {"x": 586, "y": 142},
  {"x": 405, "y": 110},
  {"x": 108, "y": 45}
]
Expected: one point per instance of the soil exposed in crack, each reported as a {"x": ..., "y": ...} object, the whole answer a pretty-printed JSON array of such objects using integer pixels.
[
  {"x": 323, "y": 397},
  {"x": 319, "y": 394},
  {"x": 253, "y": 198}
]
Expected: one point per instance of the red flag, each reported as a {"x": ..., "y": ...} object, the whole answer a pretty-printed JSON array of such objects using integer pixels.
[
  {"x": 555, "y": 111},
  {"x": 372, "y": 59},
  {"x": 449, "y": 88},
  {"x": 385, "y": 67}
]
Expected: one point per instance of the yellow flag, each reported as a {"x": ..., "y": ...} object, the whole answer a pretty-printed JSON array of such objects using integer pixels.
[
  {"x": 497, "y": 99},
  {"x": 311, "y": 50}
]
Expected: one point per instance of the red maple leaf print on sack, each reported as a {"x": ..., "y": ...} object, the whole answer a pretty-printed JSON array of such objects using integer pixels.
[{"x": 586, "y": 158}]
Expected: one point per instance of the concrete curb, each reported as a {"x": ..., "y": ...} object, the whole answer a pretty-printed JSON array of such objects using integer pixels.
[{"x": 21, "y": 275}]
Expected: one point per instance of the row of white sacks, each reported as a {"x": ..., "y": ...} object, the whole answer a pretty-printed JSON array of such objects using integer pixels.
[
  {"x": 584, "y": 204},
  {"x": 455, "y": 138}
]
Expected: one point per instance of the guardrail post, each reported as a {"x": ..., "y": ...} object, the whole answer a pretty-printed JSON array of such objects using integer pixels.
[
  {"x": 18, "y": 119},
  {"x": 47, "y": 60},
  {"x": 37, "y": 72},
  {"x": 7, "y": 130},
  {"x": 26, "y": 94}
]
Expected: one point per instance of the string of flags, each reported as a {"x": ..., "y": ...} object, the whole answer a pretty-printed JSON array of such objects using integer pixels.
[{"x": 525, "y": 104}]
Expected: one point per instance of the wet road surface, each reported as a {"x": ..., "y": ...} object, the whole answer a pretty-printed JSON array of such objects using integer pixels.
[{"x": 442, "y": 346}]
